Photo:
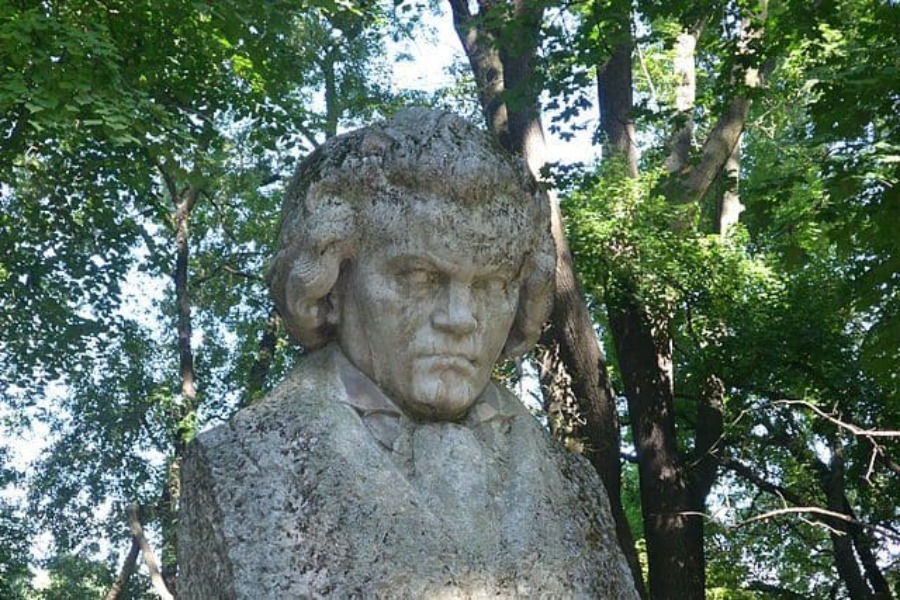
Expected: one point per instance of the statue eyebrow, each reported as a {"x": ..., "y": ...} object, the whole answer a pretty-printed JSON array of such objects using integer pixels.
[
  {"x": 428, "y": 260},
  {"x": 411, "y": 261}
]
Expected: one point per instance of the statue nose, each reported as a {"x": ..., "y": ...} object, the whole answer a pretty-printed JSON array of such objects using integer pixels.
[{"x": 455, "y": 312}]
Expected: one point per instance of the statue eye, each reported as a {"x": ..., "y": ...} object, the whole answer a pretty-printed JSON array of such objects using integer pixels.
[
  {"x": 492, "y": 285},
  {"x": 420, "y": 277}
]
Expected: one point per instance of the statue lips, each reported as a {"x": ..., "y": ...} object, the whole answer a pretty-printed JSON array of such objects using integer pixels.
[{"x": 447, "y": 361}]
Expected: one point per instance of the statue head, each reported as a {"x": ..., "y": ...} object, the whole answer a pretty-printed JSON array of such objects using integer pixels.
[{"x": 424, "y": 250}]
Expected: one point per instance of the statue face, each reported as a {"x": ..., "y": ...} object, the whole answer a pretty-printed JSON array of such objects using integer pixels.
[{"x": 426, "y": 306}]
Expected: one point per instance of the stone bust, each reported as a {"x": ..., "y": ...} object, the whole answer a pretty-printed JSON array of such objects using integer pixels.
[{"x": 413, "y": 255}]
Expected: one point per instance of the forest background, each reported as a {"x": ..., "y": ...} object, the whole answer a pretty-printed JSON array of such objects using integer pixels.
[{"x": 725, "y": 341}]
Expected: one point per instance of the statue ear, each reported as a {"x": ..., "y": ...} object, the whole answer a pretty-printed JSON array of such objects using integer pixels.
[
  {"x": 332, "y": 306},
  {"x": 331, "y": 303}
]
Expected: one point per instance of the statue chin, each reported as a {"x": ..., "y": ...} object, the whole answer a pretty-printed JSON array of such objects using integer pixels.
[{"x": 440, "y": 398}]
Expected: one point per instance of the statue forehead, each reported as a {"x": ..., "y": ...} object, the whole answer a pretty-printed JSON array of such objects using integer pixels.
[{"x": 497, "y": 231}]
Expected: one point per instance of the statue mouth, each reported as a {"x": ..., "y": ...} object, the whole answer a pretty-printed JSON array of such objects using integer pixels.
[{"x": 449, "y": 360}]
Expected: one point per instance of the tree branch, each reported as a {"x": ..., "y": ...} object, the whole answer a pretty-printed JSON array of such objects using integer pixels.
[
  {"x": 813, "y": 510},
  {"x": 694, "y": 181},
  {"x": 858, "y": 431},
  {"x": 230, "y": 270},
  {"x": 121, "y": 583},
  {"x": 887, "y": 462},
  {"x": 685, "y": 96},
  {"x": 801, "y": 505},
  {"x": 134, "y": 522},
  {"x": 690, "y": 184},
  {"x": 748, "y": 474},
  {"x": 168, "y": 180}
]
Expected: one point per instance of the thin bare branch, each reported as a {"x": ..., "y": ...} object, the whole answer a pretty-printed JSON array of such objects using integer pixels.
[
  {"x": 646, "y": 73},
  {"x": 790, "y": 510},
  {"x": 121, "y": 583},
  {"x": 800, "y": 504},
  {"x": 773, "y": 591},
  {"x": 858, "y": 431},
  {"x": 137, "y": 530},
  {"x": 199, "y": 281},
  {"x": 309, "y": 136}
]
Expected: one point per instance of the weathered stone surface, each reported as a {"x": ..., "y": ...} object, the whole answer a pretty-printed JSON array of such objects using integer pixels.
[
  {"x": 296, "y": 498},
  {"x": 413, "y": 255}
]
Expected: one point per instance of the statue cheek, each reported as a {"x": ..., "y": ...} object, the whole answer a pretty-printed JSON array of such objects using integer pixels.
[{"x": 501, "y": 308}]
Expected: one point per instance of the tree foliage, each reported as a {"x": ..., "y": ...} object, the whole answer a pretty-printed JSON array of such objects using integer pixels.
[
  {"x": 790, "y": 308},
  {"x": 143, "y": 148}
]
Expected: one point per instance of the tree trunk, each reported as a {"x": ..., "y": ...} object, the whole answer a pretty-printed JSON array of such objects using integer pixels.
[
  {"x": 183, "y": 207},
  {"x": 685, "y": 98},
  {"x": 671, "y": 504},
  {"x": 673, "y": 495},
  {"x": 590, "y": 385},
  {"x": 707, "y": 440},
  {"x": 332, "y": 101},
  {"x": 841, "y": 541},
  {"x": 481, "y": 49},
  {"x": 863, "y": 544},
  {"x": 264, "y": 357},
  {"x": 504, "y": 65},
  {"x": 672, "y": 525},
  {"x": 518, "y": 53},
  {"x": 614, "y": 92},
  {"x": 184, "y": 407}
]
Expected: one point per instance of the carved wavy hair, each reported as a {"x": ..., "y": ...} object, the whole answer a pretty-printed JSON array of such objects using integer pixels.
[{"x": 435, "y": 153}]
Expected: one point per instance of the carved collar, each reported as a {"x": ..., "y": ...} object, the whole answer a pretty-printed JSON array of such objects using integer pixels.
[{"x": 382, "y": 416}]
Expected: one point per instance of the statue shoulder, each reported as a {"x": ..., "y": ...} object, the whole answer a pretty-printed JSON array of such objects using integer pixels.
[
  {"x": 306, "y": 392},
  {"x": 574, "y": 467}
]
